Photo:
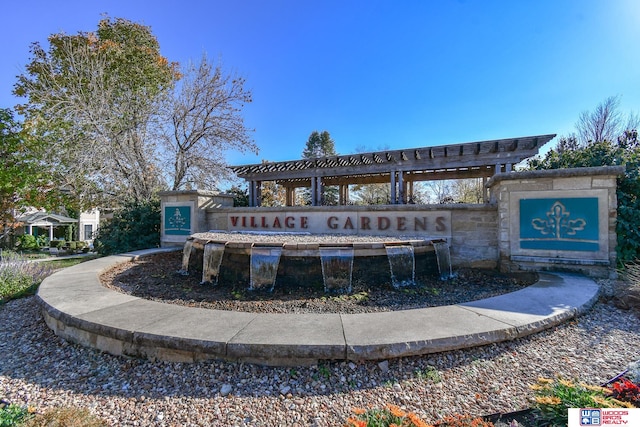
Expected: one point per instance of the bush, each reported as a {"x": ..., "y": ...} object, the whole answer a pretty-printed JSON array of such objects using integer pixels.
[
  {"x": 136, "y": 226},
  {"x": 27, "y": 242},
  {"x": 56, "y": 243},
  {"x": 18, "y": 276},
  {"x": 12, "y": 415}
]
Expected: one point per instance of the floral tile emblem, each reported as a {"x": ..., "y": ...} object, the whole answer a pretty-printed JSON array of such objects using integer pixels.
[
  {"x": 558, "y": 222},
  {"x": 570, "y": 224}
]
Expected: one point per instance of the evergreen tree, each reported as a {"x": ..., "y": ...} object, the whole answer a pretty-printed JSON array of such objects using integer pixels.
[{"x": 320, "y": 145}]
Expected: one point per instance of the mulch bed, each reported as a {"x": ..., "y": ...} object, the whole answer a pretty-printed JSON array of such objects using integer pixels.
[{"x": 156, "y": 277}]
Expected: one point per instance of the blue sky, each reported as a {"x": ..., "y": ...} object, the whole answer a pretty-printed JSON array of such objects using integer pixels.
[{"x": 378, "y": 74}]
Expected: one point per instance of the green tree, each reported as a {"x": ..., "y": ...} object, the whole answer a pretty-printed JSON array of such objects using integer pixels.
[
  {"x": 91, "y": 97},
  {"x": 320, "y": 144},
  {"x": 135, "y": 226},
  {"x": 23, "y": 182},
  {"x": 240, "y": 195},
  {"x": 624, "y": 149}
]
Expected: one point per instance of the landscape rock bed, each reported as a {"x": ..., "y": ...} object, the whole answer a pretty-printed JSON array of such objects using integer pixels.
[{"x": 43, "y": 370}]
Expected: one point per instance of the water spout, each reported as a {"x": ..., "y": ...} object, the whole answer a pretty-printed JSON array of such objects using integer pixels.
[
  {"x": 264, "y": 267},
  {"x": 211, "y": 260},
  {"x": 443, "y": 258},
  {"x": 186, "y": 254},
  {"x": 337, "y": 268},
  {"x": 402, "y": 265}
]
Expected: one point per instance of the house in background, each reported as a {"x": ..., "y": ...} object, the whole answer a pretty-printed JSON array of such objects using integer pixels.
[
  {"x": 88, "y": 225},
  {"x": 56, "y": 226}
]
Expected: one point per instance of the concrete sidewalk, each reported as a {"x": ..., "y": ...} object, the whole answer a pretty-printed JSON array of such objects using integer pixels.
[{"x": 77, "y": 307}]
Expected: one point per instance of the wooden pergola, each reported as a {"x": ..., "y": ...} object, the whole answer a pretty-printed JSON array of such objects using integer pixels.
[{"x": 399, "y": 168}]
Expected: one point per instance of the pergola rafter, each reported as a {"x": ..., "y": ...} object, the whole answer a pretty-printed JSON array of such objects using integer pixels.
[{"x": 398, "y": 167}]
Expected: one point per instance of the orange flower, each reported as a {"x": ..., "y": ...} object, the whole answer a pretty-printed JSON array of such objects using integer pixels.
[
  {"x": 396, "y": 411},
  {"x": 359, "y": 411},
  {"x": 417, "y": 422},
  {"x": 352, "y": 422}
]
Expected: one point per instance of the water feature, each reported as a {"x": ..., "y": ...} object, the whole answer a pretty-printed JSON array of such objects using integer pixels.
[
  {"x": 212, "y": 259},
  {"x": 402, "y": 265},
  {"x": 186, "y": 254},
  {"x": 326, "y": 262},
  {"x": 443, "y": 257},
  {"x": 337, "y": 268},
  {"x": 264, "y": 267}
]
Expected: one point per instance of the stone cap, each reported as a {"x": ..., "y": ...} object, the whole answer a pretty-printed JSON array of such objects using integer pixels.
[
  {"x": 557, "y": 173},
  {"x": 194, "y": 192}
]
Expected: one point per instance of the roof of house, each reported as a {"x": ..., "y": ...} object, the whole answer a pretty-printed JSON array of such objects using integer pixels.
[{"x": 36, "y": 218}]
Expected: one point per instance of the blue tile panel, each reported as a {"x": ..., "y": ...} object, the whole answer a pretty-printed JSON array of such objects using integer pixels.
[{"x": 563, "y": 224}]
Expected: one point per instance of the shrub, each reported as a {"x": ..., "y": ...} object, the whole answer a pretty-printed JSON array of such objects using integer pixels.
[
  {"x": 27, "y": 242},
  {"x": 12, "y": 415},
  {"x": 136, "y": 226},
  {"x": 626, "y": 391},
  {"x": 18, "y": 276},
  {"x": 56, "y": 243}
]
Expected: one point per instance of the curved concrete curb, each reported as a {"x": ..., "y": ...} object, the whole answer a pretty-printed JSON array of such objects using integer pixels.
[{"x": 77, "y": 307}]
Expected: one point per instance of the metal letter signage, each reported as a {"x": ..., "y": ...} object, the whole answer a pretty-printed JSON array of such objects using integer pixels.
[{"x": 564, "y": 224}]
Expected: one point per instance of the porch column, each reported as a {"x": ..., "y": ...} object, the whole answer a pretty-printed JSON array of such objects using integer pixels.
[
  {"x": 254, "y": 193},
  {"x": 343, "y": 198},
  {"x": 290, "y": 195},
  {"x": 485, "y": 190},
  {"x": 51, "y": 231},
  {"x": 401, "y": 198},
  {"x": 393, "y": 188},
  {"x": 314, "y": 191},
  {"x": 319, "y": 191},
  {"x": 258, "y": 193},
  {"x": 410, "y": 185}
]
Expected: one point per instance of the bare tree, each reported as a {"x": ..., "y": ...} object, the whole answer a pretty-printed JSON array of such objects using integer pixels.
[
  {"x": 468, "y": 190},
  {"x": 440, "y": 191},
  {"x": 605, "y": 123},
  {"x": 201, "y": 121}
]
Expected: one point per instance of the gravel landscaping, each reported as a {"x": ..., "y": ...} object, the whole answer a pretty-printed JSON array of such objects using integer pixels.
[{"x": 37, "y": 368}]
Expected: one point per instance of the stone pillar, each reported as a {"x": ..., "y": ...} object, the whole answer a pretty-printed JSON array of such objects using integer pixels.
[
  {"x": 184, "y": 213},
  {"x": 557, "y": 219}
]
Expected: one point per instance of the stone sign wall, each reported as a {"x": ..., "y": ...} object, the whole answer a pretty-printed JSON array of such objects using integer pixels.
[{"x": 559, "y": 219}]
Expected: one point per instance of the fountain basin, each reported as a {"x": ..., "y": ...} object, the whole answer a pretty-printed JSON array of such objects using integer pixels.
[{"x": 300, "y": 259}]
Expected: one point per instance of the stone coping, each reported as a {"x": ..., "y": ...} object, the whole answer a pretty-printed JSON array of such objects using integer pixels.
[
  {"x": 78, "y": 308},
  {"x": 556, "y": 173}
]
